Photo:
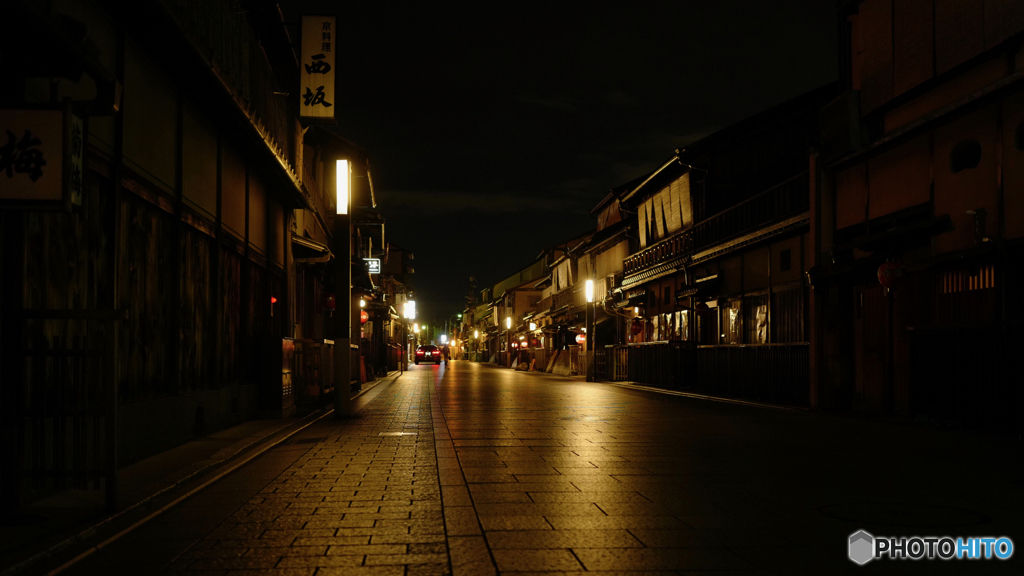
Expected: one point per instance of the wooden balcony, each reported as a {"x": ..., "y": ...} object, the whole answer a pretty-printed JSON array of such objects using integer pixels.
[
  {"x": 576, "y": 296},
  {"x": 775, "y": 204}
]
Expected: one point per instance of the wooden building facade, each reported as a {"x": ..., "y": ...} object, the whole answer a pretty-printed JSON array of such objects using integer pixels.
[
  {"x": 920, "y": 216},
  {"x": 167, "y": 302}
]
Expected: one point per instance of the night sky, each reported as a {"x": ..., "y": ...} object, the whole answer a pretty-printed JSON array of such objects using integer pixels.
[{"x": 491, "y": 134}]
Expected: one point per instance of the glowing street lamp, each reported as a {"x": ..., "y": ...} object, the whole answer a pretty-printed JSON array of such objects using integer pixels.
[
  {"x": 344, "y": 185},
  {"x": 343, "y": 277}
]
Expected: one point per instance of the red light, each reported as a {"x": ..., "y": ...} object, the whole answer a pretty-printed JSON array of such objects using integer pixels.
[
  {"x": 581, "y": 338},
  {"x": 273, "y": 300}
]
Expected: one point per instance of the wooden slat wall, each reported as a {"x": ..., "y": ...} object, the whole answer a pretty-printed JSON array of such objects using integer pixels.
[
  {"x": 876, "y": 74},
  {"x": 229, "y": 324},
  {"x": 145, "y": 281},
  {"x": 912, "y": 44},
  {"x": 198, "y": 326}
]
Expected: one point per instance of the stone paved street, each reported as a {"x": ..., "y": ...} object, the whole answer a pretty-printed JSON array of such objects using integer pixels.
[{"x": 473, "y": 470}]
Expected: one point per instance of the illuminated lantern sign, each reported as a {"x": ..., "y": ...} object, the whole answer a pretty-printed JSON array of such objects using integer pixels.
[
  {"x": 317, "y": 70},
  {"x": 364, "y": 317},
  {"x": 581, "y": 338},
  {"x": 372, "y": 265}
]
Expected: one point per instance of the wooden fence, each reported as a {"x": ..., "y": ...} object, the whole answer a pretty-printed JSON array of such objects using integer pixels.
[
  {"x": 968, "y": 376},
  {"x": 771, "y": 373}
]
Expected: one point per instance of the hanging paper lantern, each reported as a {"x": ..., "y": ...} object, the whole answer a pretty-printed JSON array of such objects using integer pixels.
[
  {"x": 364, "y": 316},
  {"x": 637, "y": 326},
  {"x": 890, "y": 272},
  {"x": 581, "y": 338},
  {"x": 329, "y": 300}
]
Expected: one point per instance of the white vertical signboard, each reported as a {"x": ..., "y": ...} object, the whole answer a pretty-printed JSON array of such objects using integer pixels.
[
  {"x": 32, "y": 155},
  {"x": 42, "y": 162},
  {"x": 316, "y": 89}
]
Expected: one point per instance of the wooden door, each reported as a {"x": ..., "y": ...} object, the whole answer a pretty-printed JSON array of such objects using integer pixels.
[{"x": 871, "y": 345}]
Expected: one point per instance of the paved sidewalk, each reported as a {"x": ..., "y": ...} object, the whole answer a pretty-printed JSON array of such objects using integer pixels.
[
  {"x": 75, "y": 520},
  {"x": 473, "y": 470}
]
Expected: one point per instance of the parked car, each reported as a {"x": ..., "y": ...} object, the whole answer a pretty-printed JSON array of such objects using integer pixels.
[{"x": 429, "y": 353}]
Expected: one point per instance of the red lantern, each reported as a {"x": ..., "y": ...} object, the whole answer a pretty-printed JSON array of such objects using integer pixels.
[
  {"x": 363, "y": 317},
  {"x": 329, "y": 300},
  {"x": 581, "y": 338},
  {"x": 889, "y": 273},
  {"x": 637, "y": 326}
]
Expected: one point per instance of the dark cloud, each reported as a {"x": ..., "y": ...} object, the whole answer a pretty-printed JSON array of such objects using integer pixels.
[{"x": 493, "y": 129}]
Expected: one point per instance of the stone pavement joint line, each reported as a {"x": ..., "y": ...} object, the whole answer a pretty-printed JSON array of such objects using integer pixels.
[
  {"x": 532, "y": 474},
  {"x": 356, "y": 503}
]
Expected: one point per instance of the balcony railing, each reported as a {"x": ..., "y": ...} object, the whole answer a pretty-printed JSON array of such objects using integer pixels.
[
  {"x": 782, "y": 201},
  {"x": 309, "y": 181},
  {"x": 545, "y": 304},
  {"x": 576, "y": 295}
]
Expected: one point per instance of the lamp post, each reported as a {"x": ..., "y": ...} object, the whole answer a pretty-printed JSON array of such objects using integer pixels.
[
  {"x": 447, "y": 323},
  {"x": 508, "y": 340},
  {"x": 343, "y": 289},
  {"x": 589, "y": 342}
]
